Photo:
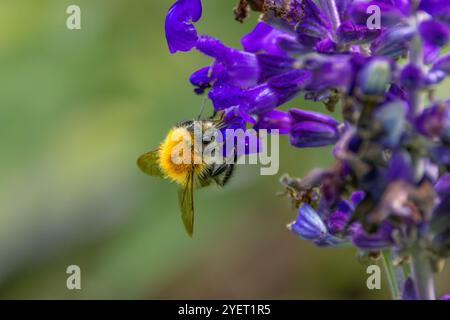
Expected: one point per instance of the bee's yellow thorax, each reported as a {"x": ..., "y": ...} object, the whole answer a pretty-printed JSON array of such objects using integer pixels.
[{"x": 178, "y": 156}]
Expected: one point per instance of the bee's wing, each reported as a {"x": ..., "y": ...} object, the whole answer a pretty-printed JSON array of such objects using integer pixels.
[
  {"x": 148, "y": 163},
  {"x": 186, "y": 203}
]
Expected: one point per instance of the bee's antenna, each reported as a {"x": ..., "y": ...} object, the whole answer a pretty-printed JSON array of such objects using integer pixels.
[{"x": 202, "y": 106}]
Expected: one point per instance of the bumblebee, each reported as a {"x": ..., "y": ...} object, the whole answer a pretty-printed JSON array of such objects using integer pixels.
[{"x": 180, "y": 159}]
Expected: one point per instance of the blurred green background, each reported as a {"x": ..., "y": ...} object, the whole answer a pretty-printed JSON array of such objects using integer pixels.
[{"x": 77, "y": 109}]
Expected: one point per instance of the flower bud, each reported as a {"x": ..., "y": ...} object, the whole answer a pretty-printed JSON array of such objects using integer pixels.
[
  {"x": 312, "y": 129},
  {"x": 310, "y": 226},
  {"x": 374, "y": 79}
]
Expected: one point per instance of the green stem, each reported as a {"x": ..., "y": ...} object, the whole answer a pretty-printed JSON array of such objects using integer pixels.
[
  {"x": 422, "y": 273},
  {"x": 421, "y": 269},
  {"x": 394, "y": 274}
]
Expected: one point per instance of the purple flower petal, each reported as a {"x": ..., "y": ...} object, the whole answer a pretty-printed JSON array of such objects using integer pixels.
[
  {"x": 242, "y": 67},
  {"x": 430, "y": 53},
  {"x": 261, "y": 98},
  {"x": 329, "y": 72},
  {"x": 274, "y": 119},
  {"x": 434, "y": 32},
  {"x": 411, "y": 77},
  {"x": 435, "y": 7},
  {"x": 271, "y": 65},
  {"x": 313, "y": 134},
  {"x": 393, "y": 42},
  {"x": 308, "y": 224},
  {"x": 441, "y": 155},
  {"x": 326, "y": 46},
  {"x": 400, "y": 168},
  {"x": 379, "y": 240},
  {"x": 203, "y": 78},
  {"x": 337, "y": 221},
  {"x": 357, "y": 197},
  {"x": 442, "y": 65},
  {"x": 434, "y": 122},
  {"x": 299, "y": 115},
  {"x": 313, "y": 26},
  {"x": 180, "y": 31},
  {"x": 356, "y": 34},
  {"x": 235, "y": 144},
  {"x": 391, "y": 13},
  {"x": 312, "y": 129},
  {"x": 442, "y": 187},
  {"x": 264, "y": 38},
  {"x": 409, "y": 290}
]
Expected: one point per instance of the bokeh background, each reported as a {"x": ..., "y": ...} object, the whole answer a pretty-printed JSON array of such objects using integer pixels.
[{"x": 77, "y": 109}]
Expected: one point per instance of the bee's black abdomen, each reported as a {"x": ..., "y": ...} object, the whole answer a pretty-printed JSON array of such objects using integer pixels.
[{"x": 185, "y": 123}]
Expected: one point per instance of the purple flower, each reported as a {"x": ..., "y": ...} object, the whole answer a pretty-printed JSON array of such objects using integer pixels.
[
  {"x": 442, "y": 187},
  {"x": 443, "y": 64},
  {"x": 235, "y": 143},
  {"x": 376, "y": 241},
  {"x": 334, "y": 72},
  {"x": 389, "y": 146},
  {"x": 314, "y": 26},
  {"x": 434, "y": 32},
  {"x": 180, "y": 32},
  {"x": 274, "y": 119},
  {"x": 400, "y": 168},
  {"x": 241, "y": 67},
  {"x": 409, "y": 290},
  {"x": 338, "y": 221},
  {"x": 439, "y": 70},
  {"x": 411, "y": 77},
  {"x": 348, "y": 32},
  {"x": 264, "y": 38},
  {"x": 312, "y": 129},
  {"x": 202, "y": 79},
  {"x": 393, "y": 42},
  {"x": 436, "y": 8},
  {"x": 310, "y": 226},
  {"x": 434, "y": 122},
  {"x": 440, "y": 154},
  {"x": 261, "y": 98},
  {"x": 440, "y": 222},
  {"x": 445, "y": 297}
]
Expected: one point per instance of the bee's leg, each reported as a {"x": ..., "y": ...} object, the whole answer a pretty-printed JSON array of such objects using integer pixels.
[
  {"x": 225, "y": 176},
  {"x": 228, "y": 173},
  {"x": 204, "y": 179},
  {"x": 217, "y": 170}
]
